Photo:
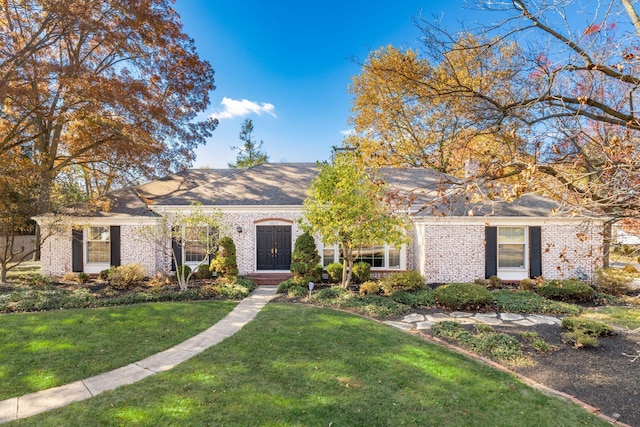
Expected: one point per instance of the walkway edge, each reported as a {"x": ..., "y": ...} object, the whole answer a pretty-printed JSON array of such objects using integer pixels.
[{"x": 45, "y": 400}]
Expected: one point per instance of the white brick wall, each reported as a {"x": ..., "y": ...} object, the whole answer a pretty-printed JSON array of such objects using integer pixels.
[
  {"x": 55, "y": 253},
  {"x": 569, "y": 249},
  {"x": 450, "y": 251}
]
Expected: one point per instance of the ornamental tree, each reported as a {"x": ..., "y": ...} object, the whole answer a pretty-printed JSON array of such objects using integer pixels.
[
  {"x": 346, "y": 206},
  {"x": 305, "y": 259}
]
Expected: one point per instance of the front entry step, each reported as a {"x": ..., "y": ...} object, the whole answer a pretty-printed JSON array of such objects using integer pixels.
[{"x": 269, "y": 278}]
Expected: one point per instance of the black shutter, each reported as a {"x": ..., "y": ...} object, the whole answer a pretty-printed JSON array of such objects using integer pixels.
[
  {"x": 114, "y": 235},
  {"x": 535, "y": 252},
  {"x": 77, "y": 250},
  {"x": 490, "y": 251},
  {"x": 176, "y": 249}
]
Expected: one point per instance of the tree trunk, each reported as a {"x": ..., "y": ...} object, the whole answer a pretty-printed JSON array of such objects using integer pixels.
[{"x": 606, "y": 243}]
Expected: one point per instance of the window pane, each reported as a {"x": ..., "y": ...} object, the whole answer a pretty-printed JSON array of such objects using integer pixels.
[
  {"x": 373, "y": 255},
  {"x": 328, "y": 255},
  {"x": 98, "y": 246},
  {"x": 511, "y": 235},
  {"x": 196, "y": 243},
  {"x": 98, "y": 252},
  {"x": 510, "y": 256},
  {"x": 195, "y": 251},
  {"x": 394, "y": 257}
]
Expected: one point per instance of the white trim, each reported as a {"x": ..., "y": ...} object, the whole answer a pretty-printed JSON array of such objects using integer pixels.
[
  {"x": 513, "y": 273},
  {"x": 497, "y": 221},
  {"x": 336, "y": 257},
  {"x": 93, "y": 267}
]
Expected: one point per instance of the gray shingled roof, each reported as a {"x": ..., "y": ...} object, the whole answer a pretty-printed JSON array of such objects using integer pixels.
[{"x": 286, "y": 184}]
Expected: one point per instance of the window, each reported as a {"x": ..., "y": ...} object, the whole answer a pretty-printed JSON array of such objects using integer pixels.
[
  {"x": 382, "y": 257},
  {"x": 98, "y": 245},
  {"x": 511, "y": 247},
  {"x": 198, "y": 244}
]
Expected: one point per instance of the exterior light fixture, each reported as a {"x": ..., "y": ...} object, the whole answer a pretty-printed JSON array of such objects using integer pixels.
[{"x": 239, "y": 229}]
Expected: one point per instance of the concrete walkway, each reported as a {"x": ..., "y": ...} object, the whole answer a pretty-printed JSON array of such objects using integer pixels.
[
  {"x": 35, "y": 403},
  {"x": 422, "y": 322}
]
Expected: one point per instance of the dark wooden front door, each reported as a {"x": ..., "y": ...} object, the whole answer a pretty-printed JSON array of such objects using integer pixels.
[{"x": 274, "y": 247}]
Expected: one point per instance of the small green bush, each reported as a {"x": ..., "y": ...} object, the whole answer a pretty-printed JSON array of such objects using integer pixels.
[
  {"x": 297, "y": 291},
  {"x": 204, "y": 272},
  {"x": 494, "y": 282},
  {"x": 245, "y": 282},
  {"x": 591, "y": 327},
  {"x": 463, "y": 296},
  {"x": 527, "y": 284},
  {"x": 361, "y": 272},
  {"x": 613, "y": 281},
  {"x": 403, "y": 281},
  {"x": 328, "y": 295},
  {"x": 334, "y": 270},
  {"x": 283, "y": 287},
  {"x": 104, "y": 274},
  {"x": 232, "y": 291},
  {"x": 568, "y": 290},
  {"x": 485, "y": 341},
  {"x": 126, "y": 277},
  {"x": 584, "y": 332},
  {"x": 183, "y": 271},
  {"x": 83, "y": 277},
  {"x": 369, "y": 288}
]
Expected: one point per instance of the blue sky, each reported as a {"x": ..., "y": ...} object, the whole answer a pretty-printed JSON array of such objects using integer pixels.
[{"x": 287, "y": 66}]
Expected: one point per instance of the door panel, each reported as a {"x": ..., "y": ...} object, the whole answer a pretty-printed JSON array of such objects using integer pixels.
[{"x": 273, "y": 247}]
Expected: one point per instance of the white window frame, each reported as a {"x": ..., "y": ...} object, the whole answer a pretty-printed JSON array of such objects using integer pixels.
[
  {"x": 183, "y": 249},
  {"x": 513, "y": 273},
  {"x": 336, "y": 257},
  {"x": 93, "y": 267}
]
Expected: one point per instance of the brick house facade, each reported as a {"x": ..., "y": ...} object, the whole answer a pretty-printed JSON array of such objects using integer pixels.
[{"x": 263, "y": 204}]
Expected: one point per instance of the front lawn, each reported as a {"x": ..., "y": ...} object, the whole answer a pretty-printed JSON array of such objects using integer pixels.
[
  {"x": 44, "y": 350},
  {"x": 626, "y": 317},
  {"x": 310, "y": 366}
]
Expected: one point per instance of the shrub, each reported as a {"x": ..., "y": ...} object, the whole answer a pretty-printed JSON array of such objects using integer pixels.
[
  {"x": 613, "y": 281},
  {"x": 204, "y": 272},
  {"x": 284, "y": 286},
  {"x": 305, "y": 259},
  {"x": 183, "y": 271},
  {"x": 494, "y": 282},
  {"x": 402, "y": 281},
  {"x": 297, "y": 291},
  {"x": 126, "y": 277},
  {"x": 463, "y": 296},
  {"x": 159, "y": 280},
  {"x": 568, "y": 290},
  {"x": 328, "y": 295},
  {"x": 69, "y": 277},
  {"x": 83, "y": 277},
  {"x": 527, "y": 284},
  {"x": 245, "y": 282},
  {"x": 361, "y": 272},
  {"x": 225, "y": 262},
  {"x": 485, "y": 341},
  {"x": 584, "y": 332},
  {"x": 334, "y": 270},
  {"x": 104, "y": 274},
  {"x": 368, "y": 288},
  {"x": 232, "y": 291}
]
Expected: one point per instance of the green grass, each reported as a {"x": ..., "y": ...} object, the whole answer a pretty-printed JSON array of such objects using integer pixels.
[
  {"x": 298, "y": 365},
  {"x": 44, "y": 350},
  {"x": 24, "y": 268},
  {"x": 626, "y": 317}
]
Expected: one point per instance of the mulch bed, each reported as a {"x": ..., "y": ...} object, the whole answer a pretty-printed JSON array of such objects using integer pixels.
[{"x": 606, "y": 378}]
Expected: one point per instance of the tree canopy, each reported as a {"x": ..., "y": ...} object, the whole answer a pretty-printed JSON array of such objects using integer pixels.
[
  {"x": 346, "y": 206},
  {"x": 110, "y": 86},
  {"x": 541, "y": 100}
]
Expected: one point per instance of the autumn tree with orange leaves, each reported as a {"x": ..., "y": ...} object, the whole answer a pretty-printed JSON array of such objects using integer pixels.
[
  {"x": 112, "y": 83},
  {"x": 546, "y": 98}
]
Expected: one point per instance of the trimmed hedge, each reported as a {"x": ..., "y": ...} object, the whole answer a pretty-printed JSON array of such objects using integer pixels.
[
  {"x": 403, "y": 281},
  {"x": 463, "y": 296},
  {"x": 568, "y": 290}
]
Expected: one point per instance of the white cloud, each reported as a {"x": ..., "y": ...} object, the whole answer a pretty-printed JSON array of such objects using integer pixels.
[
  {"x": 347, "y": 132},
  {"x": 239, "y": 108}
]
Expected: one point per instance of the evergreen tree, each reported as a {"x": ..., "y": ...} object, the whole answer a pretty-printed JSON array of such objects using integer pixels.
[
  {"x": 305, "y": 260},
  {"x": 250, "y": 153}
]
